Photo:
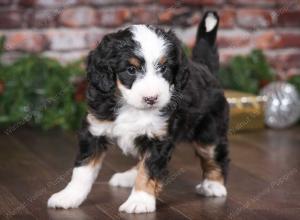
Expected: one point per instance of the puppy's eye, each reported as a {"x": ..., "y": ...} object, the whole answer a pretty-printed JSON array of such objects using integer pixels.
[
  {"x": 131, "y": 70},
  {"x": 163, "y": 68}
]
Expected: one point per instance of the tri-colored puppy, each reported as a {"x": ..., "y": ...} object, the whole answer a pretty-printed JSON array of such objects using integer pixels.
[{"x": 144, "y": 95}]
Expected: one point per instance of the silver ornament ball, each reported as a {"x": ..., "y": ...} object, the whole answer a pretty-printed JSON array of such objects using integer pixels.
[{"x": 282, "y": 108}]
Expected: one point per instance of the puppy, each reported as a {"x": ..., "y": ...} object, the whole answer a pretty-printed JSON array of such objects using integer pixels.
[{"x": 144, "y": 95}]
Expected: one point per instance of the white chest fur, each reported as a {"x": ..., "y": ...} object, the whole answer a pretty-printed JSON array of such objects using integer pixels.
[{"x": 129, "y": 124}]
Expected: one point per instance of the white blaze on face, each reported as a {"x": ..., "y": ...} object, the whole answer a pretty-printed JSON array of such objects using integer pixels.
[{"x": 152, "y": 83}]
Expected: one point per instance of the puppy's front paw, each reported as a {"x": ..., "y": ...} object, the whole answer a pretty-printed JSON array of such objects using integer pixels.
[
  {"x": 139, "y": 202},
  {"x": 66, "y": 199},
  {"x": 125, "y": 179},
  {"x": 211, "y": 188}
]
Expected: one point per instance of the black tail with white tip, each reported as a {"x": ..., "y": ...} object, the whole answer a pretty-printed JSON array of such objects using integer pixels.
[{"x": 205, "y": 50}]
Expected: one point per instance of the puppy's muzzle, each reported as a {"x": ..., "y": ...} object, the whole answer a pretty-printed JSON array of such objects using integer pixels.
[{"x": 150, "y": 100}]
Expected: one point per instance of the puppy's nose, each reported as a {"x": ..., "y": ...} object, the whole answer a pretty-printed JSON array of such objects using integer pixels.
[{"x": 150, "y": 100}]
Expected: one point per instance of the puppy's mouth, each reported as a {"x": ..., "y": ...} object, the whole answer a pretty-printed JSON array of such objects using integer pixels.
[
  {"x": 151, "y": 107},
  {"x": 148, "y": 107}
]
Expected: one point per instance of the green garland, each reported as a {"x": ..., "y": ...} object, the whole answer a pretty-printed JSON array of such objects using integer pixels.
[
  {"x": 247, "y": 73},
  {"x": 38, "y": 91}
]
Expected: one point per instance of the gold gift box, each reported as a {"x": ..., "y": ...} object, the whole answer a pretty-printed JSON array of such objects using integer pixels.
[{"x": 246, "y": 111}]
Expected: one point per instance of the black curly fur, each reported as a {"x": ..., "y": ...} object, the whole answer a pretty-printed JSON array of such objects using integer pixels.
[
  {"x": 89, "y": 145},
  {"x": 159, "y": 154}
]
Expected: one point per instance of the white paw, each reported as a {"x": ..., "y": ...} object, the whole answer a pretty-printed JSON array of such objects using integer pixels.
[
  {"x": 125, "y": 179},
  {"x": 66, "y": 199},
  {"x": 138, "y": 202},
  {"x": 211, "y": 188},
  {"x": 210, "y": 22}
]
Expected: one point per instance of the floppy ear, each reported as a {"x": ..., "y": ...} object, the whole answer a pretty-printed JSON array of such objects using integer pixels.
[
  {"x": 99, "y": 69},
  {"x": 183, "y": 72}
]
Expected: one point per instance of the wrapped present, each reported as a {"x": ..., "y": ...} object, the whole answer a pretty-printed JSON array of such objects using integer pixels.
[{"x": 246, "y": 111}]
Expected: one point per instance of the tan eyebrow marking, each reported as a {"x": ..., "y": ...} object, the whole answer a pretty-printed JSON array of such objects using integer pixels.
[
  {"x": 135, "y": 62},
  {"x": 162, "y": 60}
]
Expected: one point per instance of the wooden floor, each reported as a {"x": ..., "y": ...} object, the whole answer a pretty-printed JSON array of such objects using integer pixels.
[{"x": 264, "y": 179}]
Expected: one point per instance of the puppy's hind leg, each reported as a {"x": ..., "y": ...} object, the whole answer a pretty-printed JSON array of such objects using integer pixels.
[
  {"x": 213, "y": 173},
  {"x": 211, "y": 148},
  {"x": 87, "y": 166}
]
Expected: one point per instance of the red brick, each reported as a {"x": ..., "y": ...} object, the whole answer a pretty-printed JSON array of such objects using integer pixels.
[
  {"x": 56, "y": 3},
  {"x": 5, "y": 2},
  {"x": 266, "y": 40},
  {"x": 254, "y": 2},
  {"x": 292, "y": 72},
  {"x": 66, "y": 39},
  {"x": 27, "y": 3},
  {"x": 289, "y": 18},
  {"x": 186, "y": 35},
  {"x": 176, "y": 3},
  {"x": 289, "y": 40},
  {"x": 10, "y": 57},
  {"x": 66, "y": 56},
  {"x": 285, "y": 60},
  {"x": 170, "y": 2},
  {"x": 226, "y": 54},
  {"x": 112, "y": 17},
  {"x": 94, "y": 37},
  {"x": 44, "y": 18},
  {"x": 145, "y": 15},
  {"x": 78, "y": 17},
  {"x": 166, "y": 16},
  {"x": 194, "y": 19},
  {"x": 10, "y": 19},
  {"x": 25, "y": 41},
  {"x": 227, "y": 18},
  {"x": 203, "y": 2},
  {"x": 272, "y": 39},
  {"x": 170, "y": 15},
  {"x": 233, "y": 40},
  {"x": 118, "y": 2},
  {"x": 254, "y": 18}
]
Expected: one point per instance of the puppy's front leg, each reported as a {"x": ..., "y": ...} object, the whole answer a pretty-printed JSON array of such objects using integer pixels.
[
  {"x": 150, "y": 171},
  {"x": 142, "y": 197},
  {"x": 87, "y": 166}
]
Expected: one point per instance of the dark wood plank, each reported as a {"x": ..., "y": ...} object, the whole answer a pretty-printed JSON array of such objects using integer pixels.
[
  {"x": 263, "y": 181},
  {"x": 270, "y": 157},
  {"x": 24, "y": 176},
  {"x": 8, "y": 204},
  {"x": 59, "y": 154}
]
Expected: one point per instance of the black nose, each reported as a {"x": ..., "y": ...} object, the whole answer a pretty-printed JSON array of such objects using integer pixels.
[{"x": 150, "y": 100}]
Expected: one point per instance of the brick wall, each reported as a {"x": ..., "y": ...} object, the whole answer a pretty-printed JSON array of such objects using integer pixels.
[{"x": 68, "y": 29}]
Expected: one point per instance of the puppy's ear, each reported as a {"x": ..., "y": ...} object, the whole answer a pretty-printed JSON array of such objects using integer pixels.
[
  {"x": 99, "y": 69},
  {"x": 183, "y": 72}
]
